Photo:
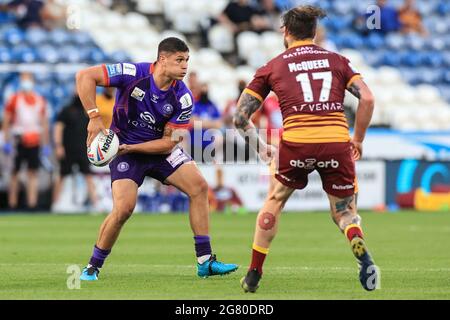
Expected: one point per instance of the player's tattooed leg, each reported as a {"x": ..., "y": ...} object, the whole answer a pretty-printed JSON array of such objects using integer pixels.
[{"x": 344, "y": 211}]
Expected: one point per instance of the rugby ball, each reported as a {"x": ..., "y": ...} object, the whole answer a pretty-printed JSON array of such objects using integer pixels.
[{"x": 103, "y": 149}]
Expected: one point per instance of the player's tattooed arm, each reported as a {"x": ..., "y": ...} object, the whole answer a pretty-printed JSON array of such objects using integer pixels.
[
  {"x": 247, "y": 105},
  {"x": 355, "y": 90},
  {"x": 363, "y": 113}
]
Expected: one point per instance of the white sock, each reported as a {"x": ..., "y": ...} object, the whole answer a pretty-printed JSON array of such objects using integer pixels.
[{"x": 203, "y": 259}]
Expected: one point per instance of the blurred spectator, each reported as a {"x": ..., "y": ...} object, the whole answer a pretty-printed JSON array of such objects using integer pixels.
[
  {"x": 410, "y": 19},
  {"x": 70, "y": 134},
  {"x": 322, "y": 41},
  {"x": 53, "y": 14},
  {"x": 269, "y": 16},
  {"x": 27, "y": 12},
  {"x": 240, "y": 16},
  {"x": 25, "y": 125},
  {"x": 105, "y": 104},
  {"x": 388, "y": 22},
  {"x": 194, "y": 84},
  {"x": 208, "y": 114},
  {"x": 227, "y": 199},
  {"x": 37, "y": 13}
]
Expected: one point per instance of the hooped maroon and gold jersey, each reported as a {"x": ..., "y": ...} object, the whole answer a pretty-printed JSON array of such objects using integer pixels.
[{"x": 310, "y": 83}]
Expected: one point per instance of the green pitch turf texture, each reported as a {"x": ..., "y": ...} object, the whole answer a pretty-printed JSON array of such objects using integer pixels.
[{"x": 154, "y": 257}]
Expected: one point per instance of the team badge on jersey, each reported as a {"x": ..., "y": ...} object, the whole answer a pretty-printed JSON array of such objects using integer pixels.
[
  {"x": 138, "y": 94},
  {"x": 167, "y": 110}
]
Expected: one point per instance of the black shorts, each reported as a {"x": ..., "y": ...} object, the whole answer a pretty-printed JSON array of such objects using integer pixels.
[
  {"x": 30, "y": 155},
  {"x": 67, "y": 163}
]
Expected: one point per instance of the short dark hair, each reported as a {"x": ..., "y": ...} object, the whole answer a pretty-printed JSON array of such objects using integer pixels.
[
  {"x": 172, "y": 45},
  {"x": 301, "y": 22}
]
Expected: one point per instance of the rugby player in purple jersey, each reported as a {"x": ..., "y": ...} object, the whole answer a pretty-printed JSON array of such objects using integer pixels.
[{"x": 152, "y": 106}]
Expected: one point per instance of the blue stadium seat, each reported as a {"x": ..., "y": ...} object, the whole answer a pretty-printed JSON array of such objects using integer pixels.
[
  {"x": 391, "y": 58},
  {"x": 395, "y": 41},
  {"x": 446, "y": 77},
  {"x": 429, "y": 76},
  {"x": 59, "y": 37},
  {"x": 5, "y": 55},
  {"x": 352, "y": 40},
  {"x": 117, "y": 56},
  {"x": 96, "y": 55},
  {"x": 374, "y": 40},
  {"x": 443, "y": 8},
  {"x": 81, "y": 38},
  {"x": 433, "y": 59},
  {"x": 411, "y": 58},
  {"x": 446, "y": 58},
  {"x": 36, "y": 36},
  {"x": 48, "y": 54},
  {"x": 14, "y": 36},
  {"x": 24, "y": 54},
  {"x": 41, "y": 77},
  {"x": 70, "y": 54}
]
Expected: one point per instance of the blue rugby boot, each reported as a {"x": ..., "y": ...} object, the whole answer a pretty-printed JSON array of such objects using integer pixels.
[
  {"x": 369, "y": 273},
  {"x": 212, "y": 267},
  {"x": 90, "y": 273}
]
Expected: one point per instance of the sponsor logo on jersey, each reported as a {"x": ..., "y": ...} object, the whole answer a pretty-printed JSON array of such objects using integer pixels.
[
  {"x": 114, "y": 69},
  {"x": 186, "y": 101},
  {"x": 309, "y": 65},
  {"x": 346, "y": 187},
  {"x": 147, "y": 117},
  {"x": 321, "y": 106},
  {"x": 129, "y": 69},
  {"x": 185, "y": 115},
  {"x": 123, "y": 166},
  {"x": 167, "y": 110},
  {"x": 138, "y": 94},
  {"x": 311, "y": 164},
  {"x": 154, "y": 98}
]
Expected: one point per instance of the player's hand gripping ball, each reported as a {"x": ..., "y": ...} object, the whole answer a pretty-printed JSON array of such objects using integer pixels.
[{"x": 103, "y": 149}]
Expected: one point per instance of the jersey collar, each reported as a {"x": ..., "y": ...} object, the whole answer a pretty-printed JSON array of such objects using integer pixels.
[{"x": 299, "y": 43}]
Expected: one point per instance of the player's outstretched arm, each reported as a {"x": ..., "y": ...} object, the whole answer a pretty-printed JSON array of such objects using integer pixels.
[
  {"x": 87, "y": 80},
  {"x": 363, "y": 114},
  {"x": 246, "y": 106}
]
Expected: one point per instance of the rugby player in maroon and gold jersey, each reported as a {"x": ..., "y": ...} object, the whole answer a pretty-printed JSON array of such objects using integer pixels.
[{"x": 310, "y": 83}]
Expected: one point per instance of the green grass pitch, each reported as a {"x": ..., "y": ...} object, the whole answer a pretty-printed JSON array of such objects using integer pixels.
[{"x": 154, "y": 257}]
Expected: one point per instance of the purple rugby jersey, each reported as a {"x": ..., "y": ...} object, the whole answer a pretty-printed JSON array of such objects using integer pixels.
[{"x": 142, "y": 110}]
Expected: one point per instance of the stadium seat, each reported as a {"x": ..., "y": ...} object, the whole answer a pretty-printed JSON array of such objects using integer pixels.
[
  {"x": 59, "y": 37},
  {"x": 247, "y": 42},
  {"x": 36, "y": 36},
  {"x": 374, "y": 41},
  {"x": 221, "y": 39},
  {"x": 186, "y": 22},
  {"x": 5, "y": 55},
  {"x": 13, "y": 36},
  {"x": 48, "y": 54},
  {"x": 135, "y": 21}
]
